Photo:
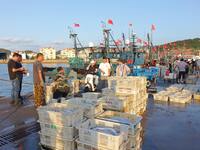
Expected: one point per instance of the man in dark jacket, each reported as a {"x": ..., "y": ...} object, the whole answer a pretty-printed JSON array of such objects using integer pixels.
[{"x": 13, "y": 69}]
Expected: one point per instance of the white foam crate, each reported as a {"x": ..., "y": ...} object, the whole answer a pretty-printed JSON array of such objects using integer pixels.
[
  {"x": 61, "y": 114},
  {"x": 134, "y": 120},
  {"x": 99, "y": 139},
  {"x": 135, "y": 140},
  {"x": 83, "y": 146},
  {"x": 91, "y": 109},
  {"x": 91, "y": 95},
  {"x": 107, "y": 91},
  {"x": 68, "y": 133},
  {"x": 56, "y": 143},
  {"x": 178, "y": 99},
  {"x": 114, "y": 103}
]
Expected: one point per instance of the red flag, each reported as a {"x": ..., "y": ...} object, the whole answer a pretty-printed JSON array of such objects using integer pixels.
[
  {"x": 153, "y": 27},
  {"x": 139, "y": 41},
  {"x": 76, "y": 25},
  {"x": 145, "y": 43},
  {"x": 154, "y": 49},
  {"x": 165, "y": 46},
  {"x": 110, "y": 22}
]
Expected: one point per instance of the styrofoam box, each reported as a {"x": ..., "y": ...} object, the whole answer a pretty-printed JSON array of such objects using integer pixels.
[
  {"x": 91, "y": 108},
  {"x": 57, "y": 143},
  {"x": 126, "y": 90},
  {"x": 99, "y": 139},
  {"x": 68, "y": 133},
  {"x": 135, "y": 140},
  {"x": 61, "y": 114},
  {"x": 83, "y": 146},
  {"x": 91, "y": 95},
  {"x": 135, "y": 120},
  {"x": 196, "y": 96},
  {"x": 107, "y": 91},
  {"x": 180, "y": 99},
  {"x": 114, "y": 103}
]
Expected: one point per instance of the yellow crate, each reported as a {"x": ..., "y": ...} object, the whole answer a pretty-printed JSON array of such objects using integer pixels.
[{"x": 99, "y": 139}]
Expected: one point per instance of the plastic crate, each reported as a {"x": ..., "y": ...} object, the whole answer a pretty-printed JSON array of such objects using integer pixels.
[
  {"x": 90, "y": 108},
  {"x": 68, "y": 133},
  {"x": 83, "y": 146},
  {"x": 134, "y": 120},
  {"x": 56, "y": 143},
  {"x": 91, "y": 95},
  {"x": 135, "y": 140},
  {"x": 115, "y": 103},
  {"x": 99, "y": 139},
  {"x": 196, "y": 96},
  {"x": 61, "y": 114}
]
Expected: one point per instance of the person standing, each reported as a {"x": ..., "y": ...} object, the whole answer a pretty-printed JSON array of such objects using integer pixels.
[
  {"x": 39, "y": 81},
  {"x": 13, "y": 70},
  {"x": 105, "y": 67},
  {"x": 122, "y": 69},
  {"x": 20, "y": 76},
  {"x": 182, "y": 65}
]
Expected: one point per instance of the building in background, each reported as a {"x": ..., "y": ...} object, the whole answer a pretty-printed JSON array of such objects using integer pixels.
[
  {"x": 84, "y": 54},
  {"x": 67, "y": 53},
  {"x": 4, "y": 54},
  {"x": 48, "y": 52}
]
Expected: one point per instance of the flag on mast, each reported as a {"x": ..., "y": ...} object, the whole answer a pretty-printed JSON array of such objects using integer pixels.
[
  {"x": 76, "y": 25},
  {"x": 153, "y": 27},
  {"x": 110, "y": 21}
]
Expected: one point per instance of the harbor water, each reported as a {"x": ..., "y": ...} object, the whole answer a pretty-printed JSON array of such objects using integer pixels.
[{"x": 5, "y": 87}]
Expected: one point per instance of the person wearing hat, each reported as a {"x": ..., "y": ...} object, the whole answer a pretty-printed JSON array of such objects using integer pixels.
[{"x": 122, "y": 69}]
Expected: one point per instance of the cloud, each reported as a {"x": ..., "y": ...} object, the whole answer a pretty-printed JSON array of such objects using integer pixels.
[
  {"x": 58, "y": 42},
  {"x": 13, "y": 43},
  {"x": 11, "y": 40}
]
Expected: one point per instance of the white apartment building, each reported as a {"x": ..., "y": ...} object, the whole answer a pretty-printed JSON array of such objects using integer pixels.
[
  {"x": 67, "y": 53},
  {"x": 48, "y": 52}
]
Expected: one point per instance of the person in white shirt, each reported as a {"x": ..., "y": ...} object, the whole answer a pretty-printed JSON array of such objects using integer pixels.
[{"x": 105, "y": 68}]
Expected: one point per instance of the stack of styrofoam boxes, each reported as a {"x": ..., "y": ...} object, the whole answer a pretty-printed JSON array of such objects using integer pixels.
[
  {"x": 58, "y": 123},
  {"x": 134, "y": 123},
  {"x": 134, "y": 87},
  {"x": 102, "y": 135}
]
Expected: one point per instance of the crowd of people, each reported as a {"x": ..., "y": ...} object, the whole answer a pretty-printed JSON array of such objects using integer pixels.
[{"x": 180, "y": 67}]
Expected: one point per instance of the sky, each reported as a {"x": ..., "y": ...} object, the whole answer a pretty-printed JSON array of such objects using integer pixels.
[{"x": 32, "y": 24}]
